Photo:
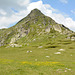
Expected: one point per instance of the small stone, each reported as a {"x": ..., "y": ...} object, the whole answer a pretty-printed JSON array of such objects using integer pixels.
[
  {"x": 46, "y": 49},
  {"x": 30, "y": 51},
  {"x": 27, "y": 44},
  {"x": 71, "y": 54},
  {"x": 47, "y": 56},
  {"x": 65, "y": 71},
  {"x": 72, "y": 39},
  {"x": 69, "y": 69},
  {"x": 40, "y": 46},
  {"x": 59, "y": 69},
  {"x": 66, "y": 68},
  {"x": 34, "y": 39},
  {"x": 35, "y": 59},
  {"x": 57, "y": 53},
  {"x": 61, "y": 50}
]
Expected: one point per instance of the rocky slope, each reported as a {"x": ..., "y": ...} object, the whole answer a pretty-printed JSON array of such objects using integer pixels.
[{"x": 34, "y": 24}]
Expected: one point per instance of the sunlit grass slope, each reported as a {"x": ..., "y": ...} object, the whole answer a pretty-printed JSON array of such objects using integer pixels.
[{"x": 44, "y": 55}]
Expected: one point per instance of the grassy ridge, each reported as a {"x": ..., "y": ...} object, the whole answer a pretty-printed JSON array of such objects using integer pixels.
[
  {"x": 37, "y": 45},
  {"x": 37, "y": 57}
]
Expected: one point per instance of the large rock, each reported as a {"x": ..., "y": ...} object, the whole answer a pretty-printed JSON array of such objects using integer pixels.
[{"x": 57, "y": 28}]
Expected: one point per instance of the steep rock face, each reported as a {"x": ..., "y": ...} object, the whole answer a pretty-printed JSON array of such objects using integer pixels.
[
  {"x": 35, "y": 23},
  {"x": 57, "y": 28}
]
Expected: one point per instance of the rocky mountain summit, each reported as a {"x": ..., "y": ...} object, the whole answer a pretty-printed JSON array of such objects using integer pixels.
[{"x": 33, "y": 25}]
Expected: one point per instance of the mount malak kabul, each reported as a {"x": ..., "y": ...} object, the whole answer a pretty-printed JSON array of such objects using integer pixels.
[
  {"x": 37, "y": 45},
  {"x": 34, "y": 27}
]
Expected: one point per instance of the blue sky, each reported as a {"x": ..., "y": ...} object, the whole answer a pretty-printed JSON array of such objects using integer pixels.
[
  {"x": 64, "y": 8},
  {"x": 62, "y": 11}
]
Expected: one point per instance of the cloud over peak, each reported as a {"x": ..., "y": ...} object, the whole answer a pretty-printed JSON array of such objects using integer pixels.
[
  {"x": 64, "y": 1},
  {"x": 6, "y": 21}
]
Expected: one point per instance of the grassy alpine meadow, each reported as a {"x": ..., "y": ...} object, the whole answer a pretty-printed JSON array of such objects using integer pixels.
[
  {"x": 39, "y": 56},
  {"x": 36, "y": 45}
]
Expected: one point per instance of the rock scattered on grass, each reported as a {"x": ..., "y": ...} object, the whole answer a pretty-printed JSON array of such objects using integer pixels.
[
  {"x": 72, "y": 39},
  {"x": 65, "y": 71},
  {"x": 15, "y": 45},
  {"x": 40, "y": 46},
  {"x": 27, "y": 44},
  {"x": 47, "y": 56},
  {"x": 35, "y": 59},
  {"x": 61, "y": 49},
  {"x": 57, "y": 53},
  {"x": 69, "y": 69},
  {"x": 29, "y": 51},
  {"x": 71, "y": 54},
  {"x": 34, "y": 39},
  {"x": 59, "y": 69},
  {"x": 46, "y": 49}
]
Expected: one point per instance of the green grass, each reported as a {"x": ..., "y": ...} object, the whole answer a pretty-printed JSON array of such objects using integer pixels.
[
  {"x": 16, "y": 61},
  {"x": 37, "y": 54}
]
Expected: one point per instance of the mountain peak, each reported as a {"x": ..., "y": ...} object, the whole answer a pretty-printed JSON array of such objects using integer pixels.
[
  {"x": 35, "y": 12},
  {"x": 33, "y": 25}
]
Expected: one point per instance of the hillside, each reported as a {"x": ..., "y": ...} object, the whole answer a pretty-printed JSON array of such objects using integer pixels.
[
  {"x": 33, "y": 25},
  {"x": 37, "y": 45}
]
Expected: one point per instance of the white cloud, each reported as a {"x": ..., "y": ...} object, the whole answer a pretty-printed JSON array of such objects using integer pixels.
[
  {"x": 23, "y": 3},
  {"x": 49, "y": 11},
  {"x": 73, "y": 11},
  {"x": 39, "y": 5},
  {"x": 19, "y": 5},
  {"x": 7, "y": 16},
  {"x": 5, "y": 21},
  {"x": 2, "y": 12},
  {"x": 64, "y": 1},
  {"x": 13, "y": 3},
  {"x": 67, "y": 21}
]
